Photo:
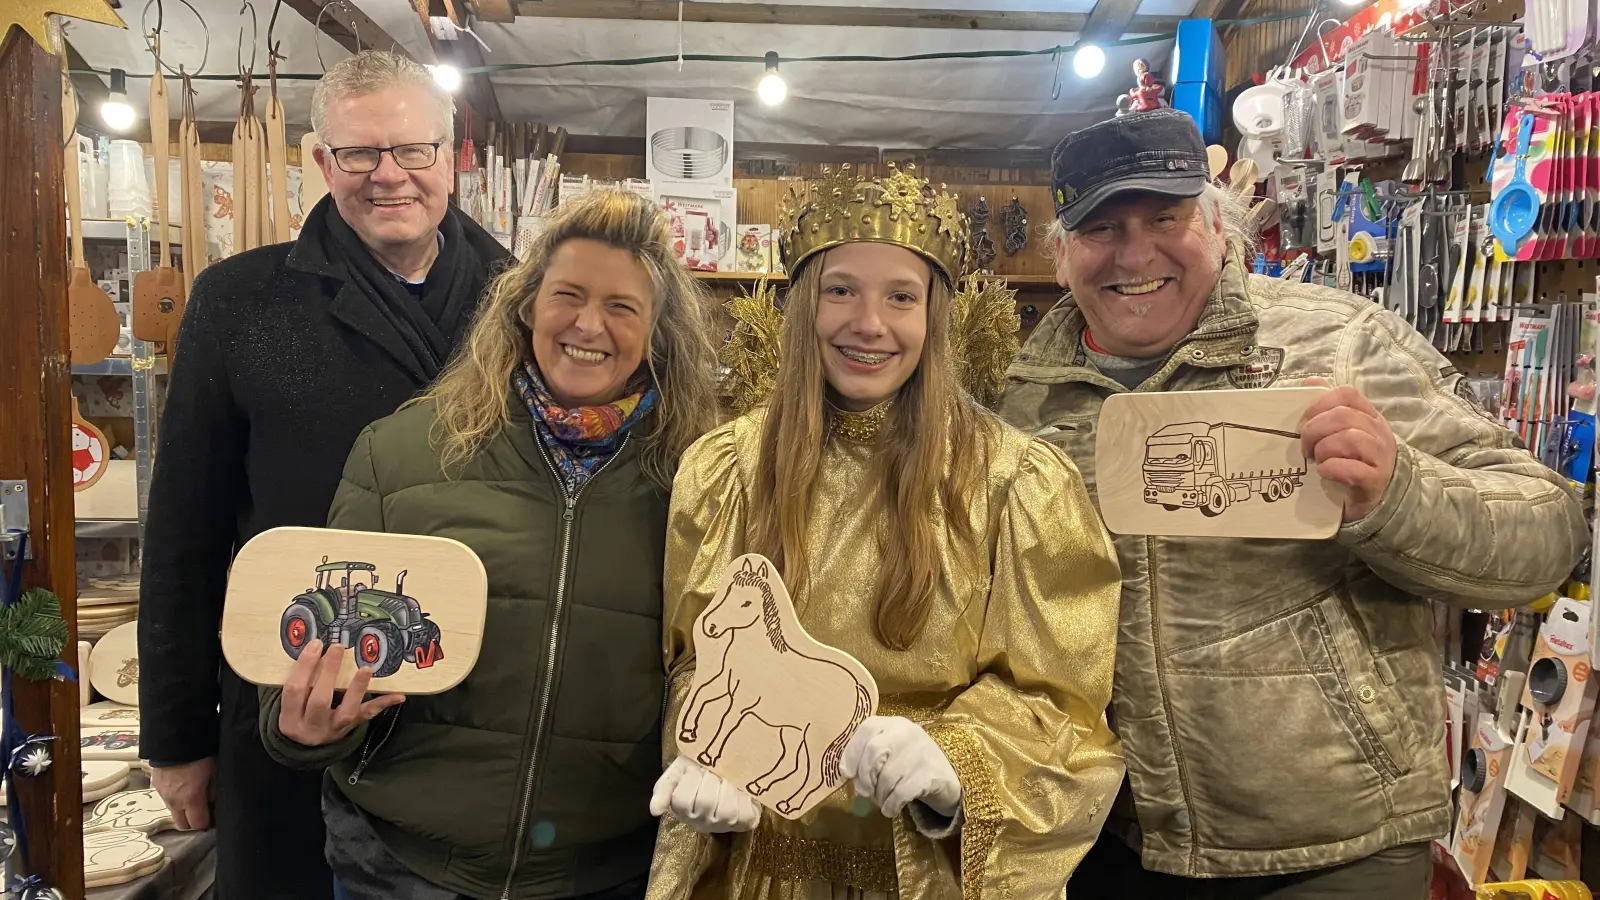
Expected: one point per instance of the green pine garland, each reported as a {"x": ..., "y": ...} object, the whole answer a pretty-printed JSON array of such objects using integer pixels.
[{"x": 32, "y": 635}]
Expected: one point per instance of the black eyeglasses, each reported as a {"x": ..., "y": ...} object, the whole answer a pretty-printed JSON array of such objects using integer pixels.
[{"x": 360, "y": 160}]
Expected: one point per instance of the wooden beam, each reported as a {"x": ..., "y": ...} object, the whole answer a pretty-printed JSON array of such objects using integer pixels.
[
  {"x": 864, "y": 15},
  {"x": 36, "y": 444},
  {"x": 502, "y": 11},
  {"x": 346, "y": 24},
  {"x": 91, "y": 90},
  {"x": 480, "y": 87},
  {"x": 1108, "y": 20}
]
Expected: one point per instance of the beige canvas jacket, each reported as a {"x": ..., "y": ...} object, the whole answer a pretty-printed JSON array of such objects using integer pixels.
[{"x": 1280, "y": 703}]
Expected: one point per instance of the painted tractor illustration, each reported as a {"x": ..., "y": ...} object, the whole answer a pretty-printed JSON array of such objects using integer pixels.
[{"x": 345, "y": 607}]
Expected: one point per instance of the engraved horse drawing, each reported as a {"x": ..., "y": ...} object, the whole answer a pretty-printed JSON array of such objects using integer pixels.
[{"x": 748, "y": 658}]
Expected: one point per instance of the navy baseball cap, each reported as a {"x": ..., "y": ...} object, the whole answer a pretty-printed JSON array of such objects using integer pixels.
[{"x": 1157, "y": 152}]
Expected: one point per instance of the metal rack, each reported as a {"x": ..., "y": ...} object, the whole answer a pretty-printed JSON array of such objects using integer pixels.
[{"x": 142, "y": 366}]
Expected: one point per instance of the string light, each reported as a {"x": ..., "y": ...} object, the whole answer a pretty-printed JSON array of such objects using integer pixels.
[
  {"x": 447, "y": 77},
  {"x": 772, "y": 89},
  {"x": 116, "y": 112},
  {"x": 1088, "y": 60}
]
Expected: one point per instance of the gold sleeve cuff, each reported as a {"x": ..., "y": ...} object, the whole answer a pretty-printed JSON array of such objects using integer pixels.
[{"x": 980, "y": 801}]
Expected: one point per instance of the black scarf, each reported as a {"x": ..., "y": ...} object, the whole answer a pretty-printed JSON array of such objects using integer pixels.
[{"x": 432, "y": 327}]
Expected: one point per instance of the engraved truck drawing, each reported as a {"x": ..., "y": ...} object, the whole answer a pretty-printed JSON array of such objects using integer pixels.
[
  {"x": 385, "y": 628},
  {"x": 1212, "y": 466}
]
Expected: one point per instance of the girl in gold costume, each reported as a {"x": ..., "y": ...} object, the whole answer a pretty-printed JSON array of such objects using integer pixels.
[{"x": 958, "y": 560}]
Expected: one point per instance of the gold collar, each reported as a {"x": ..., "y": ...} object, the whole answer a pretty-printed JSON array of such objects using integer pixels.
[{"x": 859, "y": 427}]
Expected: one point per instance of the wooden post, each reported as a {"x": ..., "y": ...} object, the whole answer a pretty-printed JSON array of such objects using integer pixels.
[{"x": 35, "y": 436}]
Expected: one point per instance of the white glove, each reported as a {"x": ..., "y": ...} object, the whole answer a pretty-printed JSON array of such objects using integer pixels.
[
  {"x": 702, "y": 800},
  {"x": 893, "y": 761}
]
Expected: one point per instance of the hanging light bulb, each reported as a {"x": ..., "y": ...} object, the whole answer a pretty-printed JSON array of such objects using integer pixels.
[
  {"x": 447, "y": 77},
  {"x": 772, "y": 90},
  {"x": 116, "y": 111},
  {"x": 1088, "y": 60}
]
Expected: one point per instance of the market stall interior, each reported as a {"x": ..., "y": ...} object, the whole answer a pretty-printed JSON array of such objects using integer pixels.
[{"x": 1441, "y": 158}]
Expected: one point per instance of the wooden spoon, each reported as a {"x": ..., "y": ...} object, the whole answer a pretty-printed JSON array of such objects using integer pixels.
[
  {"x": 1217, "y": 160},
  {"x": 278, "y": 163},
  {"x": 91, "y": 452},
  {"x": 158, "y": 294},
  {"x": 93, "y": 325}
]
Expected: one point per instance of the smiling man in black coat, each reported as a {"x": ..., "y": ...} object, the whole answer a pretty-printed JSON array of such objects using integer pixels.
[{"x": 285, "y": 354}]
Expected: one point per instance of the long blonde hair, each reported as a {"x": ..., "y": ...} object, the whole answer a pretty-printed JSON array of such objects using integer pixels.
[
  {"x": 474, "y": 393},
  {"x": 932, "y": 458}
]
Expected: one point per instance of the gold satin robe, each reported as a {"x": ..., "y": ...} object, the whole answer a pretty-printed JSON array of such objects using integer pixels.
[{"x": 1011, "y": 678}]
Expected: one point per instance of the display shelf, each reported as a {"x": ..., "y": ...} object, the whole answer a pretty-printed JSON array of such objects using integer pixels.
[
  {"x": 117, "y": 230},
  {"x": 107, "y": 528},
  {"x": 118, "y": 365}
]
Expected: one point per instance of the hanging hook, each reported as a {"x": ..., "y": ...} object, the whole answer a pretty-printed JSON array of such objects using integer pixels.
[
  {"x": 144, "y": 20},
  {"x": 255, "y": 37},
  {"x": 316, "y": 29}
]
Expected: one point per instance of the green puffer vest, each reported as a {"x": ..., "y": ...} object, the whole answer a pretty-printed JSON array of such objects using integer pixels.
[{"x": 532, "y": 778}]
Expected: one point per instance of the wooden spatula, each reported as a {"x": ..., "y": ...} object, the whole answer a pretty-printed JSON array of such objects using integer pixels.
[
  {"x": 278, "y": 161},
  {"x": 93, "y": 326},
  {"x": 158, "y": 294}
]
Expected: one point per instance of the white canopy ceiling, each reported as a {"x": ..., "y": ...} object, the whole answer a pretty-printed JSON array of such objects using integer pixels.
[{"x": 961, "y": 103}]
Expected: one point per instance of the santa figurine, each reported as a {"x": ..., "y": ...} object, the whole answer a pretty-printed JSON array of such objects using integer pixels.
[{"x": 1147, "y": 93}]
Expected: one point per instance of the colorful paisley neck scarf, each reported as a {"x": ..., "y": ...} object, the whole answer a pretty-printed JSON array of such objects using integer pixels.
[{"x": 580, "y": 440}]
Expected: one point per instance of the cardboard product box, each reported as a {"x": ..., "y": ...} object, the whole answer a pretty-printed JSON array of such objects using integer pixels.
[
  {"x": 689, "y": 141},
  {"x": 1560, "y": 693},
  {"x": 1483, "y": 800},
  {"x": 753, "y": 249},
  {"x": 702, "y": 224}
]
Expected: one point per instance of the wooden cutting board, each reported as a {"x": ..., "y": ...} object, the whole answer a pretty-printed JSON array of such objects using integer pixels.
[
  {"x": 158, "y": 294},
  {"x": 411, "y": 607},
  {"x": 114, "y": 667},
  {"x": 102, "y": 777},
  {"x": 142, "y": 811},
  {"x": 91, "y": 452},
  {"x": 107, "y": 714},
  {"x": 93, "y": 326},
  {"x": 119, "y": 856},
  {"x": 120, "y": 744}
]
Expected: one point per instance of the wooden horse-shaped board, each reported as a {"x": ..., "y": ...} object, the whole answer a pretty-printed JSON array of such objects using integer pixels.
[
  {"x": 1212, "y": 464},
  {"x": 419, "y": 634},
  {"x": 771, "y": 709}
]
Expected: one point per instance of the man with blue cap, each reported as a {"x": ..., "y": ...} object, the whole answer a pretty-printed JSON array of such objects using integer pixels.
[{"x": 1280, "y": 703}]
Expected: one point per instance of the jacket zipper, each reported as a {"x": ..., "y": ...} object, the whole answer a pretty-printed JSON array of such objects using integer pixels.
[
  {"x": 371, "y": 748},
  {"x": 555, "y": 638}
]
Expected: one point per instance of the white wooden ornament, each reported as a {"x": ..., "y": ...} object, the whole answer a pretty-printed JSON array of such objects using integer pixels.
[
  {"x": 103, "y": 777},
  {"x": 142, "y": 811},
  {"x": 410, "y": 607},
  {"x": 119, "y": 856},
  {"x": 771, "y": 709},
  {"x": 107, "y": 714},
  {"x": 1212, "y": 464},
  {"x": 114, "y": 666}
]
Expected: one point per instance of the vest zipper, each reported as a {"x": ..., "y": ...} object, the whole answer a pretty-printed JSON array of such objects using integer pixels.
[
  {"x": 567, "y": 515},
  {"x": 371, "y": 748}
]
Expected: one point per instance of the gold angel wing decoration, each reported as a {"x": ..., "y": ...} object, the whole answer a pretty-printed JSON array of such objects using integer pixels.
[
  {"x": 752, "y": 353},
  {"x": 983, "y": 336}
]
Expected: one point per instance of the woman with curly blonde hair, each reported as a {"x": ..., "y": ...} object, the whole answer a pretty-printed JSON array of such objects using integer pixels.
[{"x": 548, "y": 446}]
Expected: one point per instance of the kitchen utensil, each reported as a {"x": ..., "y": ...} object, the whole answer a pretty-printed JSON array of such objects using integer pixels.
[
  {"x": 312, "y": 187},
  {"x": 277, "y": 159},
  {"x": 158, "y": 292},
  {"x": 1515, "y": 207},
  {"x": 93, "y": 326}
]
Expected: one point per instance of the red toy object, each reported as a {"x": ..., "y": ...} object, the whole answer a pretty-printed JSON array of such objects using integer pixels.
[{"x": 1149, "y": 92}]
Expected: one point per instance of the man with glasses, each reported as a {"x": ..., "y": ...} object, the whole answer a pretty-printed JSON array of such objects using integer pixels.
[{"x": 288, "y": 351}]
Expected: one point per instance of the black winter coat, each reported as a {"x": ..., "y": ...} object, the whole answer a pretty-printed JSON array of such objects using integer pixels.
[{"x": 281, "y": 362}]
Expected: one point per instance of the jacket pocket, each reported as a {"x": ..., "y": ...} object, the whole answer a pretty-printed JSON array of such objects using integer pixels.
[
  {"x": 1377, "y": 701},
  {"x": 1270, "y": 736}
]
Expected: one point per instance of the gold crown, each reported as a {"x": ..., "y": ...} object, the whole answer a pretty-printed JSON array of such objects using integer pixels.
[{"x": 899, "y": 209}]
